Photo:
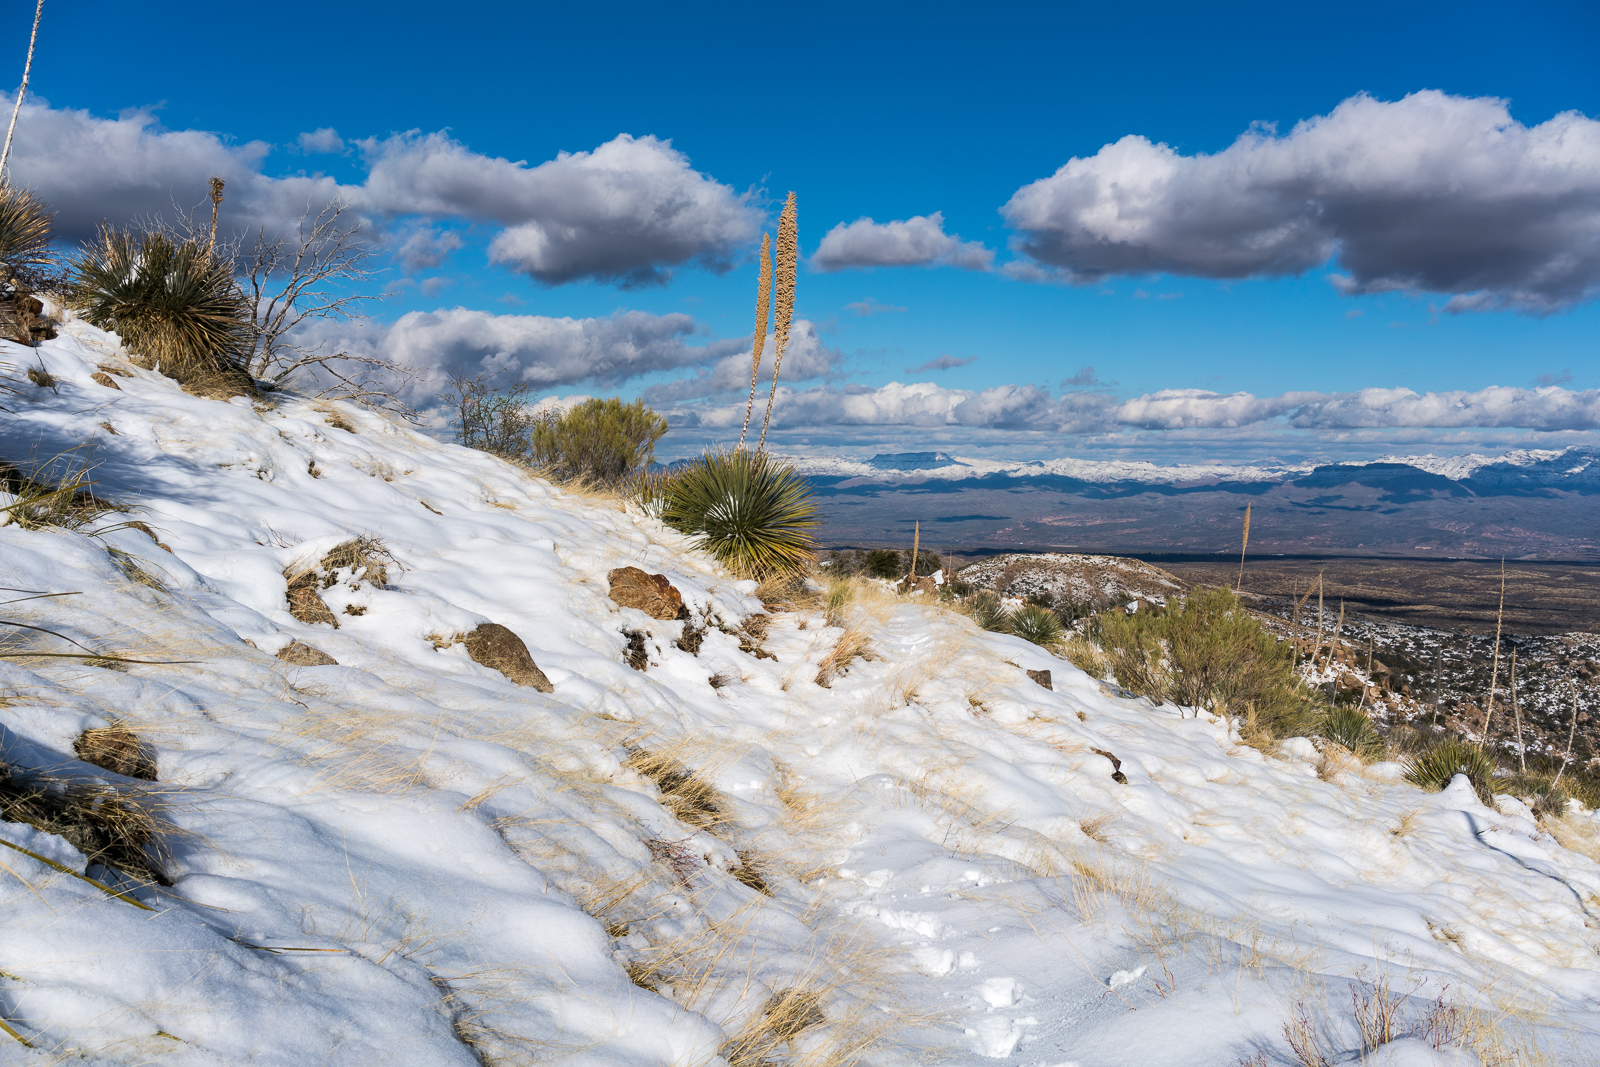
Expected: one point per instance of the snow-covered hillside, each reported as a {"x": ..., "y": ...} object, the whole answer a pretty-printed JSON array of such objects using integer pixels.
[{"x": 405, "y": 858}]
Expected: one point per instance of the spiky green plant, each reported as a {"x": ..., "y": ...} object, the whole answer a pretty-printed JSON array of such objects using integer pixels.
[
  {"x": 171, "y": 302},
  {"x": 1449, "y": 757},
  {"x": 989, "y": 612},
  {"x": 1352, "y": 729},
  {"x": 25, "y": 223},
  {"x": 750, "y": 511},
  {"x": 1037, "y": 624},
  {"x": 601, "y": 440}
]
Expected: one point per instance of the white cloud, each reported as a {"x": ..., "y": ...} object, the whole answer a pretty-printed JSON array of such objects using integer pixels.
[
  {"x": 627, "y": 212},
  {"x": 806, "y": 359},
  {"x": 426, "y": 248},
  {"x": 324, "y": 141},
  {"x": 1432, "y": 193},
  {"x": 1545, "y": 408},
  {"x": 917, "y": 241}
]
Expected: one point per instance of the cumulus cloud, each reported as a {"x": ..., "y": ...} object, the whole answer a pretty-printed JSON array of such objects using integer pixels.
[
  {"x": 324, "y": 141},
  {"x": 1431, "y": 193},
  {"x": 426, "y": 248},
  {"x": 627, "y": 212},
  {"x": 944, "y": 362},
  {"x": 917, "y": 241},
  {"x": 806, "y": 359}
]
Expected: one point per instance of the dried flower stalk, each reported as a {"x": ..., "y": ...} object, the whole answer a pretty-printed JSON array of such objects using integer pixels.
[
  {"x": 783, "y": 302},
  {"x": 763, "y": 301}
]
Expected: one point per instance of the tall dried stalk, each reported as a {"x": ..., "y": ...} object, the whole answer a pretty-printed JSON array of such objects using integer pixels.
[
  {"x": 763, "y": 302},
  {"x": 27, "y": 70},
  {"x": 1494, "y": 675},
  {"x": 1243, "y": 545},
  {"x": 1572, "y": 732},
  {"x": 916, "y": 546},
  {"x": 216, "y": 200},
  {"x": 783, "y": 302},
  {"x": 1516, "y": 712}
]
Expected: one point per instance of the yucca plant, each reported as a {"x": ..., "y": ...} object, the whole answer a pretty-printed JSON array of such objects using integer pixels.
[
  {"x": 1449, "y": 757},
  {"x": 989, "y": 612},
  {"x": 1037, "y": 624},
  {"x": 750, "y": 511},
  {"x": 1353, "y": 730},
  {"x": 25, "y": 223},
  {"x": 172, "y": 302}
]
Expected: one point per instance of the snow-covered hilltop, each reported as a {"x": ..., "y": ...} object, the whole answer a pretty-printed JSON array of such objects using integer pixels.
[{"x": 406, "y": 857}]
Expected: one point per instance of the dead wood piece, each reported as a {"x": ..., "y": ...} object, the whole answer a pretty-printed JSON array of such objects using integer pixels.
[{"x": 1116, "y": 766}]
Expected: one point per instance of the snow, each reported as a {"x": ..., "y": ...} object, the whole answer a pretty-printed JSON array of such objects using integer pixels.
[{"x": 405, "y": 858}]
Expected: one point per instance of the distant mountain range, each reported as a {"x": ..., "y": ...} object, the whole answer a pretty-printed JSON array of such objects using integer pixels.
[{"x": 1523, "y": 504}]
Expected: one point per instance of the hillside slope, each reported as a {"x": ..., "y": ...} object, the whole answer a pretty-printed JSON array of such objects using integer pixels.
[{"x": 406, "y": 858}]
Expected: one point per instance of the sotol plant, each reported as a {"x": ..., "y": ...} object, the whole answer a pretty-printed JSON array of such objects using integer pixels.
[
  {"x": 171, "y": 301},
  {"x": 1451, "y": 756},
  {"x": 1037, "y": 624},
  {"x": 25, "y": 223},
  {"x": 751, "y": 512}
]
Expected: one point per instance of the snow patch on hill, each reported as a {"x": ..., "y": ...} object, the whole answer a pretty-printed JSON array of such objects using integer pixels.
[{"x": 405, "y": 858}]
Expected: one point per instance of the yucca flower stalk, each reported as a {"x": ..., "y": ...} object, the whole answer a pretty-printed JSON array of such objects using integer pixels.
[
  {"x": 763, "y": 300},
  {"x": 783, "y": 302}
]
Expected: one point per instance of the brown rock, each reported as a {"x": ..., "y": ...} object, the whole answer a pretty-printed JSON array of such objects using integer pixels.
[
  {"x": 650, "y": 593},
  {"x": 497, "y": 647},
  {"x": 307, "y": 606},
  {"x": 299, "y": 654},
  {"x": 1043, "y": 678},
  {"x": 100, "y": 377}
]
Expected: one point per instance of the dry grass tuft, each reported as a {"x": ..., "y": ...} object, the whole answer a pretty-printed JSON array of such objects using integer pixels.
[
  {"x": 690, "y": 797},
  {"x": 120, "y": 828},
  {"x": 852, "y": 645},
  {"x": 117, "y": 749}
]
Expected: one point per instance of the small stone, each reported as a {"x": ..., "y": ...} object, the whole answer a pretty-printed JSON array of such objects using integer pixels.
[
  {"x": 498, "y": 648},
  {"x": 1043, "y": 678},
  {"x": 100, "y": 377},
  {"x": 652, "y": 594},
  {"x": 300, "y": 654}
]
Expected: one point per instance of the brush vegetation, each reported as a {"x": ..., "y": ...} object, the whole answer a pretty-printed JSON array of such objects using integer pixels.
[
  {"x": 1450, "y": 756},
  {"x": 1207, "y": 651},
  {"x": 25, "y": 225},
  {"x": 602, "y": 440}
]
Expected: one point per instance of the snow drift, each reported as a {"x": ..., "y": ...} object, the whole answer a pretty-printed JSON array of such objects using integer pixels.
[{"x": 403, "y": 857}]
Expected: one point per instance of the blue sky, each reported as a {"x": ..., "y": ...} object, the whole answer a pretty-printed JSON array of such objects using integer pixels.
[{"x": 891, "y": 113}]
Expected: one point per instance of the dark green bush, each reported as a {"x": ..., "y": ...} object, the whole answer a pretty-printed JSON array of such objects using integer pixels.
[
  {"x": 172, "y": 302},
  {"x": 1207, "y": 651},
  {"x": 885, "y": 563},
  {"x": 752, "y": 512},
  {"x": 1450, "y": 756},
  {"x": 604, "y": 441},
  {"x": 1039, "y": 625},
  {"x": 1352, "y": 729}
]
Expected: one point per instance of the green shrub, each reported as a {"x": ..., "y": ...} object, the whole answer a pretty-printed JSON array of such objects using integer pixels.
[
  {"x": 172, "y": 302},
  {"x": 885, "y": 563},
  {"x": 604, "y": 441},
  {"x": 989, "y": 612},
  {"x": 750, "y": 511},
  {"x": 1450, "y": 756},
  {"x": 1039, "y": 625},
  {"x": 25, "y": 223},
  {"x": 1352, "y": 729},
  {"x": 1207, "y": 651}
]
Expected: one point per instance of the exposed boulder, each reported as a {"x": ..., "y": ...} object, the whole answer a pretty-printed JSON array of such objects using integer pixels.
[
  {"x": 300, "y": 654},
  {"x": 652, "y": 594},
  {"x": 1043, "y": 678},
  {"x": 496, "y": 647}
]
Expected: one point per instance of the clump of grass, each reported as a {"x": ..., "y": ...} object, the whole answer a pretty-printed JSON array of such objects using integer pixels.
[
  {"x": 25, "y": 225},
  {"x": 1207, "y": 651},
  {"x": 1037, "y": 624},
  {"x": 752, "y": 512},
  {"x": 600, "y": 440},
  {"x": 1448, "y": 757},
  {"x": 116, "y": 748},
  {"x": 1350, "y": 728},
  {"x": 690, "y": 797},
  {"x": 172, "y": 301},
  {"x": 117, "y": 828},
  {"x": 853, "y": 644}
]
